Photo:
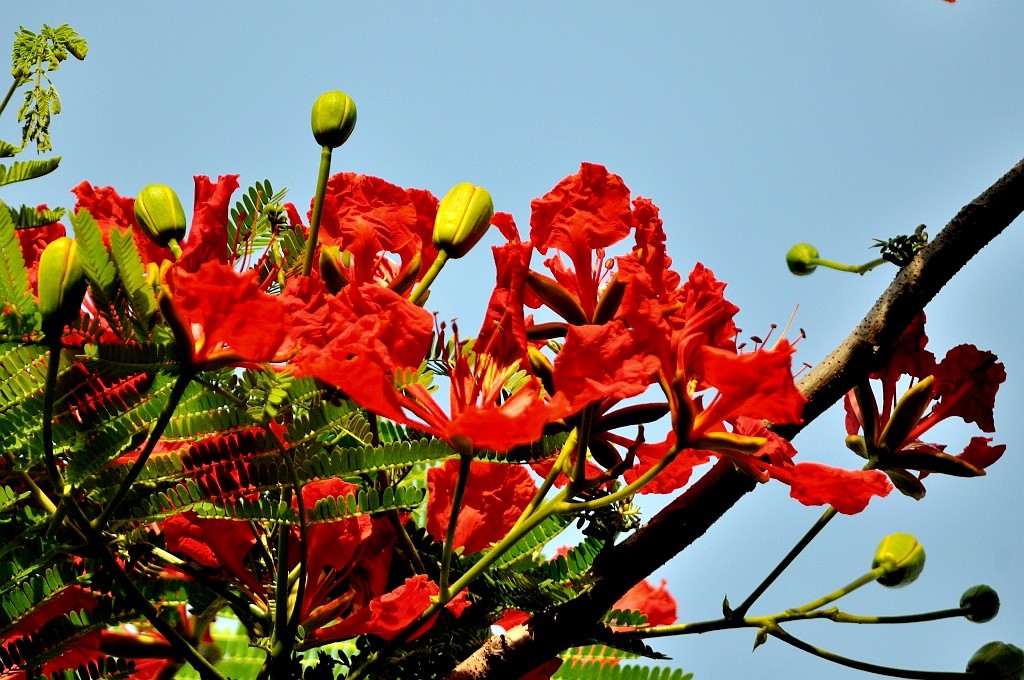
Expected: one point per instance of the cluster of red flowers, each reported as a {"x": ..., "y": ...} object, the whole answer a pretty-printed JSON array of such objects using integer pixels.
[{"x": 600, "y": 326}]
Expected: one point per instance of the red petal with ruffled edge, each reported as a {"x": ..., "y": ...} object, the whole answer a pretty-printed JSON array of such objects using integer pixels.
[
  {"x": 110, "y": 210},
  {"x": 758, "y": 385},
  {"x": 207, "y": 239},
  {"x": 220, "y": 543},
  {"x": 657, "y": 603},
  {"x": 848, "y": 491},
  {"x": 496, "y": 494},
  {"x": 368, "y": 216},
  {"x": 386, "y": 616},
  {"x": 249, "y": 322},
  {"x": 602, "y": 362},
  {"x": 588, "y": 210},
  {"x": 966, "y": 382}
]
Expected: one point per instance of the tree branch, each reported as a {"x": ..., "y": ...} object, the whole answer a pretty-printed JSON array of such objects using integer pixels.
[{"x": 690, "y": 515}]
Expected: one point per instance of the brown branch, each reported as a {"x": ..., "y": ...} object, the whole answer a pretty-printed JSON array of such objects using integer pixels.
[{"x": 690, "y": 515}]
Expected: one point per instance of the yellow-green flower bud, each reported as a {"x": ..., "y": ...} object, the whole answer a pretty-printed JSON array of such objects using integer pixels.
[
  {"x": 61, "y": 284},
  {"x": 801, "y": 259},
  {"x": 159, "y": 213},
  {"x": 333, "y": 118},
  {"x": 462, "y": 219},
  {"x": 333, "y": 268},
  {"x": 907, "y": 414},
  {"x": 981, "y": 603},
  {"x": 902, "y": 557},
  {"x": 997, "y": 661}
]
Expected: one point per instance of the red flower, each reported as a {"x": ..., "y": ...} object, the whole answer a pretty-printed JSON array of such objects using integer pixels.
[
  {"x": 376, "y": 335},
  {"x": 657, "y": 603},
  {"x": 602, "y": 362},
  {"x": 386, "y": 616},
  {"x": 215, "y": 543},
  {"x": 848, "y": 491},
  {"x": 369, "y": 217},
  {"x": 334, "y": 548},
  {"x": 964, "y": 385},
  {"x": 496, "y": 495},
  {"x": 224, "y": 315},
  {"x": 207, "y": 239},
  {"x": 357, "y": 340}
]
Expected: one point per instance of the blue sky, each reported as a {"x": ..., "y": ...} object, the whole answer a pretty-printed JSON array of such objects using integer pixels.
[{"x": 752, "y": 125}]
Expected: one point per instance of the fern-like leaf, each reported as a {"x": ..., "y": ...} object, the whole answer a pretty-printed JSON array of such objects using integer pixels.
[
  {"x": 28, "y": 217},
  {"x": 22, "y": 372},
  {"x": 129, "y": 266},
  {"x": 530, "y": 545},
  {"x": 345, "y": 462},
  {"x": 581, "y": 670},
  {"x": 19, "y": 313},
  {"x": 19, "y": 171},
  {"x": 575, "y": 563}
]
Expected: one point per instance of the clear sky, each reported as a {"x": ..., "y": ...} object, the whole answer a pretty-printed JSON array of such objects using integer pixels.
[{"x": 753, "y": 125}]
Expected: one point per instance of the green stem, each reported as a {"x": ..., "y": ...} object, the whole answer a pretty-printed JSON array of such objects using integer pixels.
[
  {"x": 843, "y": 617},
  {"x": 842, "y": 592},
  {"x": 280, "y": 650},
  {"x": 405, "y": 541},
  {"x": 30, "y": 484},
  {"x": 49, "y": 395},
  {"x": 300, "y": 590},
  {"x": 853, "y": 268},
  {"x": 549, "y": 481},
  {"x": 862, "y": 665},
  {"x": 419, "y": 293},
  {"x": 453, "y": 520},
  {"x": 10, "y": 93},
  {"x": 822, "y": 522},
  {"x": 833, "y": 614},
  {"x": 177, "y": 391},
  {"x": 623, "y": 493},
  {"x": 318, "y": 209},
  {"x": 175, "y": 249},
  {"x": 579, "y": 470}
]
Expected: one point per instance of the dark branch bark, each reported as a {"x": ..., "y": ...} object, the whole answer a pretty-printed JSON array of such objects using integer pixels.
[{"x": 690, "y": 515}]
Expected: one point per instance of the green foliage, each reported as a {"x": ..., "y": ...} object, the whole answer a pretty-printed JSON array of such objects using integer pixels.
[
  {"x": 34, "y": 56},
  {"x": 28, "y": 217},
  {"x": 254, "y": 224},
  {"x": 576, "y": 562},
  {"x": 129, "y": 266},
  {"x": 526, "y": 550},
  {"x": 19, "y": 314},
  {"x": 25, "y": 170},
  {"x": 580, "y": 670},
  {"x": 346, "y": 462},
  {"x": 120, "y": 293}
]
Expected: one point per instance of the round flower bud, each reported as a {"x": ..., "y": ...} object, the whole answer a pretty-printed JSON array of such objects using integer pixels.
[
  {"x": 800, "y": 259},
  {"x": 333, "y": 118},
  {"x": 902, "y": 557},
  {"x": 159, "y": 213},
  {"x": 61, "y": 284},
  {"x": 462, "y": 219},
  {"x": 981, "y": 603},
  {"x": 997, "y": 661}
]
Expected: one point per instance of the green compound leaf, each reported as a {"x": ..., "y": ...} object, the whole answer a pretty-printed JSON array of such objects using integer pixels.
[
  {"x": 581, "y": 670},
  {"x": 19, "y": 171},
  {"x": 28, "y": 217},
  {"x": 19, "y": 313}
]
